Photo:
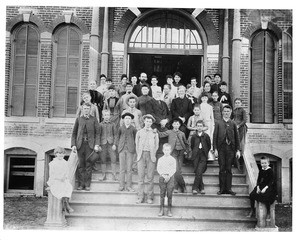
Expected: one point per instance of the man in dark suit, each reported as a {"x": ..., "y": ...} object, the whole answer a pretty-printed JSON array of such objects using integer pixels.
[
  {"x": 85, "y": 139},
  {"x": 147, "y": 104},
  {"x": 182, "y": 108},
  {"x": 227, "y": 147},
  {"x": 137, "y": 89}
]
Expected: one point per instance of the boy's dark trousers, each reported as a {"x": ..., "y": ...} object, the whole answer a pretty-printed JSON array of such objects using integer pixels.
[
  {"x": 179, "y": 181},
  {"x": 107, "y": 150},
  {"x": 85, "y": 165},
  {"x": 126, "y": 159},
  {"x": 199, "y": 168},
  {"x": 166, "y": 187}
]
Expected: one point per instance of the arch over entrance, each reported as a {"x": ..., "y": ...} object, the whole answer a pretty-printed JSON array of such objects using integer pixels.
[{"x": 163, "y": 41}]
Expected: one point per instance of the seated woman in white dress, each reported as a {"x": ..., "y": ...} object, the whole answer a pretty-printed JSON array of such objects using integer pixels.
[{"x": 59, "y": 182}]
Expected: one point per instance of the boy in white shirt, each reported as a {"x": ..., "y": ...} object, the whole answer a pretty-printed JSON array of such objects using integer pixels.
[{"x": 166, "y": 168}]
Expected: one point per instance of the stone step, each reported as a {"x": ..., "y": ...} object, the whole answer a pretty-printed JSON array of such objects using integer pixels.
[
  {"x": 210, "y": 188},
  {"x": 188, "y": 177},
  {"x": 151, "y": 210},
  {"x": 155, "y": 223},
  {"x": 116, "y": 197},
  {"x": 212, "y": 167}
]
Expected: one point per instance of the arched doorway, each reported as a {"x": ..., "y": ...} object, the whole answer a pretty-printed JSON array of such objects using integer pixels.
[{"x": 165, "y": 41}]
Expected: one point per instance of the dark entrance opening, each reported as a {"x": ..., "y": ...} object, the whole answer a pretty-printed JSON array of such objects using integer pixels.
[{"x": 161, "y": 65}]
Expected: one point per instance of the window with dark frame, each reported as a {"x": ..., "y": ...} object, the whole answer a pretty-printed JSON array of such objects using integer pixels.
[
  {"x": 25, "y": 48},
  {"x": 262, "y": 77},
  {"x": 66, "y": 71}
]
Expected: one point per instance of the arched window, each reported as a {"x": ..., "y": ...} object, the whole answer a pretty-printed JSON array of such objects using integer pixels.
[
  {"x": 287, "y": 73},
  {"x": 262, "y": 78},
  {"x": 67, "y": 56},
  {"x": 165, "y": 30},
  {"x": 25, "y": 49}
]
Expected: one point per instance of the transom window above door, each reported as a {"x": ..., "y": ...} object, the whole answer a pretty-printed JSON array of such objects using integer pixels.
[{"x": 166, "y": 30}]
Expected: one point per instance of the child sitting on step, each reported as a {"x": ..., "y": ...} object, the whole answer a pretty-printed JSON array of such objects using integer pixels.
[
  {"x": 166, "y": 168},
  {"x": 265, "y": 190},
  {"x": 59, "y": 182}
]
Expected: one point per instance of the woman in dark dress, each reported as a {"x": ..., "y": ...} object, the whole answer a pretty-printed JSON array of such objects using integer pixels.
[{"x": 265, "y": 190}]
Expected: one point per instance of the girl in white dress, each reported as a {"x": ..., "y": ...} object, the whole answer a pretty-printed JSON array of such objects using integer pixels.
[
  {"x": 59, "y": 182},
  {"x": 206, "y": 111}
]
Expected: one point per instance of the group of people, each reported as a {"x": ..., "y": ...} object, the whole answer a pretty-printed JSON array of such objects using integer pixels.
[{"x": 149, "y": 127}]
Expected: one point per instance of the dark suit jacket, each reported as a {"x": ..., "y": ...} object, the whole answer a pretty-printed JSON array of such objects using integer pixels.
[
  {"x": 148, "y": 105},
  {"x": 163, "y": 110},
  {"x": 181, "y": 108},
  {"x": 173, "y": 136},
  {"x": 93, "y": 131},
  {"x": 108, "y": 132},
  {"x": 220, "y": 134},
  {"x": 130, "y": 140},
  {"x": 195, "y": 142},
  {"x": 137, "y": 89}
]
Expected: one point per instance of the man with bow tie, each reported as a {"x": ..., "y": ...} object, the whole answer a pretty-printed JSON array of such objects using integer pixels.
[
  {"x": 227, "y": 147},
  {"x": 85, "y": 140}
]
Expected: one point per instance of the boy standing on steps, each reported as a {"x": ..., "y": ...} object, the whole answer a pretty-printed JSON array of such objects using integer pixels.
[
  {"x": 146, "y": 146},
  {"x": 108, "y": 144},
  {"x": 179, "y": 146},
  {"x": 126, "y": 148},
  {"x": 200, "y": 144},
  {"x": 166, "y": 168}
]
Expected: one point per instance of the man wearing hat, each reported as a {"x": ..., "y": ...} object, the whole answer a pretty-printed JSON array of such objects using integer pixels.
[
  {"x": 126, "y": 148},
  {"x": 146, "y": 146},
  {"x": 138, "y": 119},
  {"x": 85, "y": 139}
]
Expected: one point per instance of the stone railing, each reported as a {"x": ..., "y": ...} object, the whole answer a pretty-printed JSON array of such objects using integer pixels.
[{"x": 55, "y": 214}]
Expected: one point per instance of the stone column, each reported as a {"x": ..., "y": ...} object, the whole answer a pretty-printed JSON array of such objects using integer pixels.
[
  {"x": 55, "y": 215},
  {"x": 225, "y": 57},
  {"x": 105, "y": 53},
  {"x": 236, "y": 55},
  {"x": 94, "y": 45}
]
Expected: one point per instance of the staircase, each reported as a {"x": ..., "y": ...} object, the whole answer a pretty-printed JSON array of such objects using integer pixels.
[{"x": 105, "y": 208}]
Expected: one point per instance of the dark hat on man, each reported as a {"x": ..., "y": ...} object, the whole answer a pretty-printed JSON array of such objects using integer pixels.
[
  {"x": 127, "y": 114},
  {"x": 177, "y": 120},
  {"x": 149, "y": 116}
]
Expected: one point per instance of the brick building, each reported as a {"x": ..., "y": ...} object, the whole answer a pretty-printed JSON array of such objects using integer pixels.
[{"x": 52, "y": 52}]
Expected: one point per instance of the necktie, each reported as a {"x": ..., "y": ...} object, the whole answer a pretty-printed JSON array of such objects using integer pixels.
[{"x": 200, "y": 145}]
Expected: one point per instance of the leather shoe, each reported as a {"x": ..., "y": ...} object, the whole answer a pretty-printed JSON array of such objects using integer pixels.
[
  {"x": 139, "y": 201},
  {"x": 231, "y": 192},
  {"x": 80, "y": 188},
  {"x": 220, "y": 192},
  {"x": 202, "y": 192},
  {"x": 87, "y": 188},
  {"x": 149, "y": 201},
  {"x": 195, "y": 192},
  {"x": 175, "y": 190},
  {"x": 121, "y": 189}
]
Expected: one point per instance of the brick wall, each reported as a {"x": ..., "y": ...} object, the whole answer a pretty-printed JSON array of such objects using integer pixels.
[
  {"x": 26, "y": 129},
  {"x": 49, "y": 13},
  {"x": 271, "y": 136},
  {"x": 45, "y": 80}
]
